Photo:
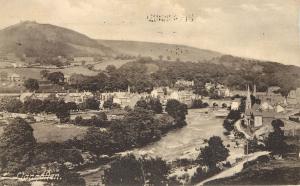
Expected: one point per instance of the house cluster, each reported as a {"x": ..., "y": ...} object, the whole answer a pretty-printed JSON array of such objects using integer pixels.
[
  {"x": 220, "y": 89},
  {"x": 162, "y": 93},
  {"x": 165, "y": 93},
  {"x": 124, "y": 99},
  {"x": 258, "y": 114},
  {"x": 77, "y": 97}
]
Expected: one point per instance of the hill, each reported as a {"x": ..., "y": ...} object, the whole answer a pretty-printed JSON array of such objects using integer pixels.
[
  {"x": 154, "y": 50},
  {"x": 45, "y": 40}
]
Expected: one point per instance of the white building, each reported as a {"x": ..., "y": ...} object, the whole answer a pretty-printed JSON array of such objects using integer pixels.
[
  {"x": 122, "y": 98},
  {"x": 186, "y": 97},
  {"x": 77, "y": 97},
  {"x": 14, "y": 77},
  {"x": 184, "y": 83},
  {"x": 159, "y": 92},
  {"x": 235, "y": 104},
  {"x": 83, "y": 59}
]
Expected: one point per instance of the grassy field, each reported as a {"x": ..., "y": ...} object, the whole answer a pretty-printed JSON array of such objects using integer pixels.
[
  {"x": 45, "y": 132},
  {"x": 49, "y": 131}
]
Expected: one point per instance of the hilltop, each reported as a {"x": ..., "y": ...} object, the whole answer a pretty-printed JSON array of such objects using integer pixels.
[{"x": 45, "y": 40}]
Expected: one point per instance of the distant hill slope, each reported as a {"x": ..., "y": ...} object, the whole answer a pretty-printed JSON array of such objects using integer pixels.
[
  {"x": 154, "y": 50},
  {"x": 34, "y": 39}
]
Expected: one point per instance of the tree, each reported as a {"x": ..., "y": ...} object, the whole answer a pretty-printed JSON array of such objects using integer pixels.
[
  {"x": 142, "y": 103},
  {"x": 16, "y": 146},
  {"x": 136, "y": 129},
  {"x": 150, "y": 104},
  {"x": 72, "y": 106},
  {"x": 177, "y": 110},
  {"x": 44, "y": 73},
  {"x": 34, "y": 106},
  {"x": 214, "y": 153},
  {"x": 31, "y": 84},
  {"x": 126, "y": 170},
  {"x": 50, "y": 104},
  {"x": 108, "y": 103},
  {"x": 197, "y": 103},
  {"x": 97, "y": 141},
  {"x": 78, "y": 120},
  {"x": 156, "y": 170},
  {"x": 234, "y": 115},
  {"x": 228, "y": 125},
  {"x": 275, "y": 141},
  {"x": 143, "y": 85},
  {"x": 62, "y": 111},
  {"x": 56, "y": 77},
  {"x": 13, "y": 105},
  {"x": 155, "y": 105},
  {"x": 91, "y": 103}
]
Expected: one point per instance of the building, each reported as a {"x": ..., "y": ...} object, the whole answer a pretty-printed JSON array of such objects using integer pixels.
[
  {"x": 77, "y": 97},
  {"x": 294, "y": 97},
  {"x": 18, "y": 65},
  {"x": 124, "y": 99},
  {"x": 67, "y": 78},
  {"x": 235, "y": 104},
  {"x": 14, "y": 77},
  {"x": 224, "y": 92},
  {"x": 32, "y": 95},
  {"x": 160, "y": 92},
  {"x": 84, "y": 59},
  {"x": 184, "y": 83},
  {"x": 185, "y": 97},
  {"x": 209, "y": 86},
  {"x": 257, "y": 115}
]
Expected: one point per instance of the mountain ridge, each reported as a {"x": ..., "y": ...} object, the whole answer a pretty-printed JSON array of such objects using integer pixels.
[{"x": 46, "y": 40}]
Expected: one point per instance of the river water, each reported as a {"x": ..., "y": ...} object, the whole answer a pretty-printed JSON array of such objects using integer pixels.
[
  {"x": 185, "y": 142},
  {"x": 180, "y": 143}
]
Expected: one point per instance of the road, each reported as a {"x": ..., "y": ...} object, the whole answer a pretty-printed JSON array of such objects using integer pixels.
[{"x": 237, "y": 168}]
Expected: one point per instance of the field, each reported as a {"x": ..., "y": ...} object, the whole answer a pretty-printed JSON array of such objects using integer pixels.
[{"x": 46, "y": 132}]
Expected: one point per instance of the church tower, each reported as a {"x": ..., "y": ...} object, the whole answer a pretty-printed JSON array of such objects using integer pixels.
[
  {"x": 248, "y": 99},
  {"x": 254, "y": 91}
]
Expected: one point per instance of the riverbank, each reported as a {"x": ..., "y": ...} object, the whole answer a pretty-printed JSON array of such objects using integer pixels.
[{"x": 183, "y": 143}]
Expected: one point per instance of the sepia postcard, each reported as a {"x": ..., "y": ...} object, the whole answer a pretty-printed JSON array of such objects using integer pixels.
[{"x": 149, "y": 92}]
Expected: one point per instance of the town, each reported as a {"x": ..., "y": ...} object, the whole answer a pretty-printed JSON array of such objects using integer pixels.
[
  {"x": 146, "y": 105},
  {"x": 247, "y": 113}
]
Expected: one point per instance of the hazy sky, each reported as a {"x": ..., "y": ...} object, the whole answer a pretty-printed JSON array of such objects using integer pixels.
[{"x": 262, "y": 29}]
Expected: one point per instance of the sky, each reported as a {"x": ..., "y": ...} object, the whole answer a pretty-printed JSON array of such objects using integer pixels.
[{"x": 260, "y": 29}]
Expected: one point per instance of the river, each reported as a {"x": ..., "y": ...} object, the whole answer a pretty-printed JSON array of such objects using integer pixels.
[
  {"x": 180, "y": 143},
  {"x": 183, "y": 142}
]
